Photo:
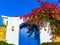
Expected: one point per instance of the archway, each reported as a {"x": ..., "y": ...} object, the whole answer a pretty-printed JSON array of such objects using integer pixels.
[{"x": 24, "y": 37}]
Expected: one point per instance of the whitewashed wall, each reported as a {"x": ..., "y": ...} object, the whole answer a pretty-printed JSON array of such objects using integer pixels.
[
  {"x": 45, "y": 36},
  {"x": 13, "y": 36}
]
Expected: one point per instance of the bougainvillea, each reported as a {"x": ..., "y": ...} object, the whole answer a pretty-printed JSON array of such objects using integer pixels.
[{"x": 48, "y": 12}]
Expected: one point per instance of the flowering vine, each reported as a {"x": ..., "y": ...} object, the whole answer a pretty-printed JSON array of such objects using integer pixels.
[{"x": 48, "y": 12}]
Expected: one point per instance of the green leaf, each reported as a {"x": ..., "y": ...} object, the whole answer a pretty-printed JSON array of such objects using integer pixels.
[
  {"x": 55, "y": 23},
  {"x": 4, "y": 43},
  {"x": 4, "y": 25}
]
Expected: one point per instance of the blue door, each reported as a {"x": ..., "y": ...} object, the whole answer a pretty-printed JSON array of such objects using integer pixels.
[{"x": 25, "y": 40}]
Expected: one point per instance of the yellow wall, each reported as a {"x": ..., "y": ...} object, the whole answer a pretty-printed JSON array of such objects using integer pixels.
[
  {"x": 56, "y": 39},
  {"x": 2, "y": 33}
]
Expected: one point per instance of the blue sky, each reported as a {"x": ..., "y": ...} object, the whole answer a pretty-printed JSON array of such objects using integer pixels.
[{"x": 18, "y": 7}]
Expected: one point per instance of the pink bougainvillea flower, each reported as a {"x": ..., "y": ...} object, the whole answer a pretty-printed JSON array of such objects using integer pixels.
[
  {"x": 59, "y": 25},
  {"x": 39, "y": 0},
  {"x": 45, "y": 4},
  {"x": 40, "y": 15},
  {"x": 57, "y": 11},
  {"x": 34, "y": 10},
  {"x": 58, "y": 0},
  {"x": 41, "y": 21},
  {"x": 21, "y": 17},
  {"x": 25, "y": 16},
  {"x": 52, "y": 6}
]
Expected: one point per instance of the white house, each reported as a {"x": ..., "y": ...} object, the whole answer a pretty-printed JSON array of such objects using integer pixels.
[{"x": 12, "y": 35}]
